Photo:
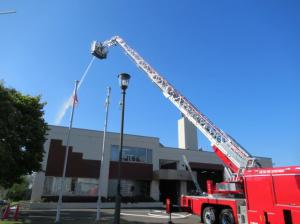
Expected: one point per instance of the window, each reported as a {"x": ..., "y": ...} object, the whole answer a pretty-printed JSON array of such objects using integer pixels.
[
  {"x": 87, "y": 186},
  {"x": 52, "y": 185},
  {"x": 73, "y": 186},
  {"x": 129, "y": 188},
  {"x": 131, "y": 154}
]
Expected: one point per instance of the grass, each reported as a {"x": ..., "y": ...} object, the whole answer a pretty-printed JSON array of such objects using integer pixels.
[
  {"x": 14, "y": 222},
  {"x": 10, "y": 222}
]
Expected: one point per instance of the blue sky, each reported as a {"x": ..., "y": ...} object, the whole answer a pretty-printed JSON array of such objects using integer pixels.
[{"x": 237, "y": 61}]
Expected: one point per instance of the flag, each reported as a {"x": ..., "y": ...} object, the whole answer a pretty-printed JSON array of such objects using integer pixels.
[{"x": 74, "y": 99}]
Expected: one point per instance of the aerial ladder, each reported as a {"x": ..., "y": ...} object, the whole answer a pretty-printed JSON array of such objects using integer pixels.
[
  {"x": 194, "y": 178},
  {"x": 250, "y": 194},
  {"x": 235, "y": 157}
]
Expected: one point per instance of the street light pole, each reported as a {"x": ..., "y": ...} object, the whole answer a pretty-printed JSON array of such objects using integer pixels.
[{"x": 124, "y": 81}]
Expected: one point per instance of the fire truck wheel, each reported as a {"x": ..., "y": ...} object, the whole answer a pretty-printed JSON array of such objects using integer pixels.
[
  {"x": 209, "y": 215},
  {"x": 226, "y": 217}
]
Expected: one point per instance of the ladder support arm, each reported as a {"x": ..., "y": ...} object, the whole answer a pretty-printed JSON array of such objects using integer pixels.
[{"x": 227, "y": 149}]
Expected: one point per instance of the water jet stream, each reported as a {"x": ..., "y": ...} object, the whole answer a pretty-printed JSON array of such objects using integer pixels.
[{"x": 67, "y": 104}]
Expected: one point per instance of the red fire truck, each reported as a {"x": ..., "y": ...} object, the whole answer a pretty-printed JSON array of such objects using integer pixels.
[{"x": 249, "y": 194}]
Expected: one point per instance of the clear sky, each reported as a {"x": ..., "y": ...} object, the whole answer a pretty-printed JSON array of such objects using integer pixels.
[{"x": 237, "y": 61}]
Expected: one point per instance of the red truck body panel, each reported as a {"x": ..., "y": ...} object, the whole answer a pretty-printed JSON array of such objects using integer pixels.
[{"x": 272, "y": 196}]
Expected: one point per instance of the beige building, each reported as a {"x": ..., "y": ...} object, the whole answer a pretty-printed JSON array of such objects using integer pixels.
[{"x": 149, "y": 171}]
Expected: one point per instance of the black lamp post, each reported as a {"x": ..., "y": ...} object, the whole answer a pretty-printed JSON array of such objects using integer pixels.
[{"x": 123, "y": 81}]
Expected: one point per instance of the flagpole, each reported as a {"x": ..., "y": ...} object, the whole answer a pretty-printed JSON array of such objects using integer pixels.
[
  {"x": 62, "y": 181},
  {"x": 101, "y": 171}
]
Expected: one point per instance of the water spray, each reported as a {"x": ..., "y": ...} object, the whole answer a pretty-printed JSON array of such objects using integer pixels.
[{"x": 67, "y": 104}]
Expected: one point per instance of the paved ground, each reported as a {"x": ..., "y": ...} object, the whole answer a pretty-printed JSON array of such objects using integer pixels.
[{"x": 87, "y": 216}]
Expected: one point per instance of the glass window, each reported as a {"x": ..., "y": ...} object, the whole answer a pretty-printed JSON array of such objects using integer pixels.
[
  {"x": 87, "y": 186},
  {"x": 73, "y": 186},
  {"x": 114, "y": 153},
  {"x": 52, "y": 185},
  {"x": 149, "y": 155},
  {"x": 129, "y": 188},
  {"x": 131, "y": 154}
]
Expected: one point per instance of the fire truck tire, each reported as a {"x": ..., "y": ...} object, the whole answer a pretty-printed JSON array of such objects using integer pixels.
[
  {"x": 226, "y": 217},
  {"x": 209, "y": 215}
]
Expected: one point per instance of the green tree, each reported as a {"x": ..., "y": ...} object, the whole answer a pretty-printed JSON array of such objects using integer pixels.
[
  {"x": 22, "y": 135},
  {"x": 19, "y": 191}
]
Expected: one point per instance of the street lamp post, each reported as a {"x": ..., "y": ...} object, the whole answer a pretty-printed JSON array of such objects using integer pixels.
[{"x": 123, "y": 81}]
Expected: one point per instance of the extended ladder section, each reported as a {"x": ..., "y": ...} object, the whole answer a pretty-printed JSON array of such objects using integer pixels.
[
  {"x": 233, "y": 155},
  {"x": 186, "y": 162}
]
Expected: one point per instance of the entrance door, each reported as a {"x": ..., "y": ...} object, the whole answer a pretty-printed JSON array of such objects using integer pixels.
[{"x": 169, "y": 189}]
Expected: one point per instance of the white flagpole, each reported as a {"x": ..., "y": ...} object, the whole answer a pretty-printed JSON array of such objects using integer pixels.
[
  {"x": 62, "y": 181},
  {"x": 101, "y": 171}
]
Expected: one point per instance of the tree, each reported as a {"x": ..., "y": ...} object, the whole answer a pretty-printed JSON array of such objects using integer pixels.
[
  {"x": 19, "y": 191},
  {"x": 22, "y": 135}
]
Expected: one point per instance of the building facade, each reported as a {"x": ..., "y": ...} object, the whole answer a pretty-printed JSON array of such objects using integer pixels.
[{"x": 149, "y": 170}]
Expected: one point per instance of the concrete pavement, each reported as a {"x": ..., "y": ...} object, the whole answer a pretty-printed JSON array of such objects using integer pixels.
[{"x": 87, "y": 216}]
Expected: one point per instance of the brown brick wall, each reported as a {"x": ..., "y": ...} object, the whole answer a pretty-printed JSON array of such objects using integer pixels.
[
  {"x": 76, "y": 165},
  {"x": 79, "y": 167},
  {"x": 133, "y": 171}
]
